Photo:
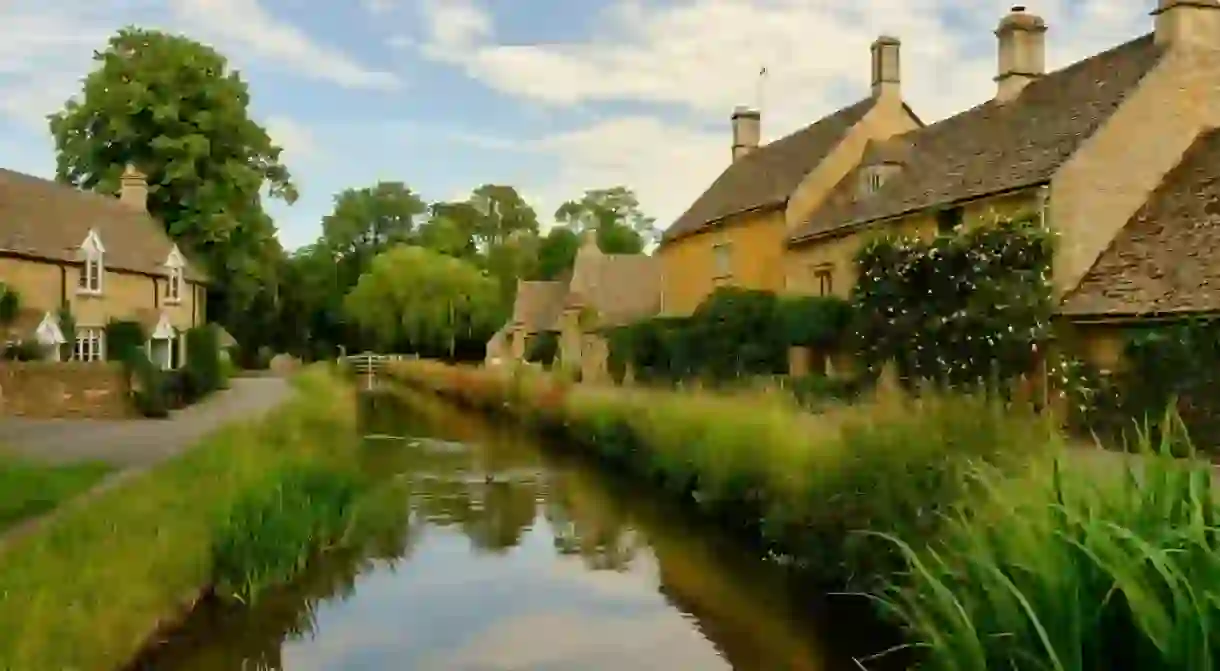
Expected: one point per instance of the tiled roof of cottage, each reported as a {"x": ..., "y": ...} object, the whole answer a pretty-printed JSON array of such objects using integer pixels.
[
  {"x": 996, "y": 146},
  {"x": 538, "y": 304},
  {"x": 1167, "y": 258},
  {"x": 48, "y": 220},
  {"x": 769, "y": 174},
  {"x": 622, "y": 288}
]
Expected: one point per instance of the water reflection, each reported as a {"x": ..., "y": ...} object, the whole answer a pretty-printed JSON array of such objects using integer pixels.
[{"x": 493, "y": 556}]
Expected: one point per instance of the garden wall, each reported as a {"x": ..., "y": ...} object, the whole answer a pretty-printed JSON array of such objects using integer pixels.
[{"x": 49, "y": 390}]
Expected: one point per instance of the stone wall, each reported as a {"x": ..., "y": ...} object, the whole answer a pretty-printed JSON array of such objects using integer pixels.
[{"x": 70, "y": 389}]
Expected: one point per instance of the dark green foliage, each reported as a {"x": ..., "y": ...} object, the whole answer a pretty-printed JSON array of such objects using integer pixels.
[
  {"x": 962, "y": 309},
  {"x": 202, "y": 367},
  {"x": 10, "y": 305},
  {"x": 273, "y": 531},
  {"x": 1174, "y": 366},
  {"x": 23, "y": 351},
  {"x": 814, "y": 321},
  {"x": 735, "y": 333},
  {"x": 542, "y": 348},
  {"x": 124, "y": 341}
]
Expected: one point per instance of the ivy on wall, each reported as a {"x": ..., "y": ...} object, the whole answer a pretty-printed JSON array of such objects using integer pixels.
[{"x": 962, "y": 309}]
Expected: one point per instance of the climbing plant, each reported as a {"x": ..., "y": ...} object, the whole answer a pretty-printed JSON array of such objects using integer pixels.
[{"x": 961, "y": 309}]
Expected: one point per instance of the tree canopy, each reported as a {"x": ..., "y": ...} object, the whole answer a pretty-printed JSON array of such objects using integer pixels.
[
  {"x": 171, "y": 107},
  {"x": 424, "y": 300}
]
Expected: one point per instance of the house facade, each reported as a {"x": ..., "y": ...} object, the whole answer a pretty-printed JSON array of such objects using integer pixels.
[
  {"x": 734, "y": 234},
  {"x": 1110, "y": 152},
  {"x": 601, "y": 291},
  {"x": 102, "y": 258}
]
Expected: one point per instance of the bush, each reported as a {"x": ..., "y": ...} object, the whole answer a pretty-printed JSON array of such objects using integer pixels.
[
  {"x": 963, "y": 309},
  {"x": 23, "y": 351},
  {"x": 202, "y": 364}
]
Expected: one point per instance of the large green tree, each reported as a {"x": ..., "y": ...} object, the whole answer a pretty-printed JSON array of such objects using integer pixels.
[
  {"x": 622, "y": 227},
  {"x": 424, "y": 301},
  {"x": 173, "y": 108}
]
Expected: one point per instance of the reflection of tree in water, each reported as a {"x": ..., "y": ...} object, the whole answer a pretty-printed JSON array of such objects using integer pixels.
[
  {"x": 585, "y": 524},
  {"x": 223, "y": 636},
  {"x": 493, "y": 515}
]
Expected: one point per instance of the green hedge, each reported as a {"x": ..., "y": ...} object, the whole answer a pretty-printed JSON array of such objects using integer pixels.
[
  {"x": 734, "y": 333},
  {"x": 543, "y": 348},
  {"x": 124, "y": 341}
]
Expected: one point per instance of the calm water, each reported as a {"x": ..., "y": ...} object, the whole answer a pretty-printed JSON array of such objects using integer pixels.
[{"x": 506, "y": 558}]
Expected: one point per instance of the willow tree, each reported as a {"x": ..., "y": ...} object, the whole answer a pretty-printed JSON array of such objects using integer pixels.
[{"x": 424, "y": 300}]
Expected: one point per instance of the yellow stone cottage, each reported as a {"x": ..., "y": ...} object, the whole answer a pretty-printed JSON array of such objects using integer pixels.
[{"x": 103, "y": 258}]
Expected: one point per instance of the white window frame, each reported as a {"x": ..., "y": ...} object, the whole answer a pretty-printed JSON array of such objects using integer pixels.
[
  {"x": 93, "y": 266},
  {"x": 90, "y": 344},
  {"x": 174, "y": 283}
]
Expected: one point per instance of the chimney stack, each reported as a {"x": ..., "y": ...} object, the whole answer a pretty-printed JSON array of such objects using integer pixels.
[
  {"x": 1187, "y": 22},
  {"x": 133, "y": 189},
  {"x": 1022, "y": 52},
  {"x": 747, "y": 130},
  {"x": 887, "y": 68}
]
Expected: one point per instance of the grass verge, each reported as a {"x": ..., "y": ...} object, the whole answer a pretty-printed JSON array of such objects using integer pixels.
[
  {"x": 29, "y": 488},
  {"x": 87, "y": 590}
]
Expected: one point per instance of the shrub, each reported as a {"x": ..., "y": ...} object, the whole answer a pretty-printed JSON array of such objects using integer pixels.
[
  {"x": 202, "y": 364},
  {"x": 23, "y": 351},
  {"x": 963, "y": 309},
  {"x": 123, "y": 339},
  {"x": 1105, "y": 563}
]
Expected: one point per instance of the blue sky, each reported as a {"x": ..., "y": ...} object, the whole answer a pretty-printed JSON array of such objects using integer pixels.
[{"x": 552, "y": 96}]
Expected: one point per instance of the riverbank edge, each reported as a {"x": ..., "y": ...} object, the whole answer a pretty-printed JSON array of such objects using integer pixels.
[
  {"x": 760, "y": 441},
  {"x": 149, "y": 545}
]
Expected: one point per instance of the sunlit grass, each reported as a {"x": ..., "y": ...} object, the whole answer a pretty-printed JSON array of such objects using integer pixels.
[
  {"x": 29, "y": 488},
  {"x": 1071, "y": 568}
]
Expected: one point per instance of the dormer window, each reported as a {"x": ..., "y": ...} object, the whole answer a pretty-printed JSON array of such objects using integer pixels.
[
  {"x": 93, "y": 267},
  {"x": 173, "y": 269},
  {"x": 871, "y": 179}
]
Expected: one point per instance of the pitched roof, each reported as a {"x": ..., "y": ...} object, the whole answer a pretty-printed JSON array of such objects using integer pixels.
[
  {"x": 622, "y": 288},
  {"x": 1167, "y": 258},
  {"x": 42, "y": 218},
  {"x": 995, "y": 146},
  {"x": 538, "y": 304},
  {"x": 770, "y": 173}
]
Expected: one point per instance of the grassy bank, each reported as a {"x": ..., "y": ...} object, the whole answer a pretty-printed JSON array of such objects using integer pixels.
[
  {"x": 29, "y": 488},
  {"x": 970, "y": 525},
  {"x": 797, "y": 484},
  {"x": 86, "y": 590}
]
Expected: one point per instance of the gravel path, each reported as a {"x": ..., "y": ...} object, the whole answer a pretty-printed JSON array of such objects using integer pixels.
[{"x": 140, "y": 443}]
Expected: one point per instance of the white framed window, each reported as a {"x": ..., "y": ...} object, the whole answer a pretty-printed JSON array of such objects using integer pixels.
[
  {"x": 722, "y": 260},
  {"x": 93, "y": 267},
  {"x": 173, "y": 284},
  {"x": 90, "y": 344}
]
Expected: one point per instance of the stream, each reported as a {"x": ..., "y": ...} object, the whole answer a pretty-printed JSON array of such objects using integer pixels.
[{"x": 508, "y": 557}]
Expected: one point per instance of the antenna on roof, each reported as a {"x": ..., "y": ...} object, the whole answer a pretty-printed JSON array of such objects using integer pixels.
[{"x": 760, "y": 88}]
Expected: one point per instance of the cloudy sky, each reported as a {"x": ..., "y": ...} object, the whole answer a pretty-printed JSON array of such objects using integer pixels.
[{"x": 553, "y": 96}]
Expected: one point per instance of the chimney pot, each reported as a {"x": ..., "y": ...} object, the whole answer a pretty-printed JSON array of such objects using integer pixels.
[
  {"x": 887, "y": 67},
  {"x": 133, "y": 189},
  {"x": 747, "y": 130},
  {"x": 1187, "y": 22},
  {"x": 1021, "y": 52}
]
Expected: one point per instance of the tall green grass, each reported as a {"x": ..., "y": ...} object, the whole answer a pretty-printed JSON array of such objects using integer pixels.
[
  {"x": 1084, "y": 564},
  {"x": 273, "y": 531},
  {"x": 29, "y": 488}
]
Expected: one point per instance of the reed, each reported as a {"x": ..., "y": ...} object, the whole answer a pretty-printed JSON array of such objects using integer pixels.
[{"x": 1081, "y": 564}]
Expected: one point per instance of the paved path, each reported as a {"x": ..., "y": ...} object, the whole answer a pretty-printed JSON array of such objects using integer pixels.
[{"x": 138, "y": 443}]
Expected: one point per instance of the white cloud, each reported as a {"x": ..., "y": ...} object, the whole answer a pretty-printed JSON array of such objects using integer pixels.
[
  {"x": 249, "y": 26},
  {"x": 296, "y": 139},
  {"x": 701, "y": 57}
]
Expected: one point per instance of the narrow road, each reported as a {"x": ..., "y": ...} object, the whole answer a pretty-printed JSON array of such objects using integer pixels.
[{"x": 139, "y": 443}]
